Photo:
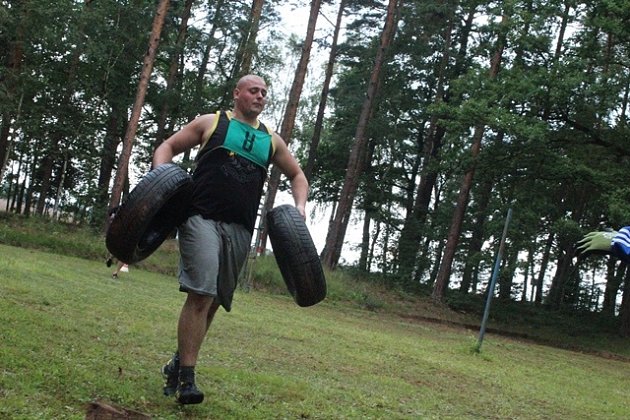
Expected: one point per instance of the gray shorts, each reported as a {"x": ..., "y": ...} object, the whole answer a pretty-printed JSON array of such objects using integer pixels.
[{"x": 212, "y": 255}]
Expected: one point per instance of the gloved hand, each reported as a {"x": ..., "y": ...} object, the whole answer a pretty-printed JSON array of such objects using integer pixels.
[{"x": 598, "y": 243}]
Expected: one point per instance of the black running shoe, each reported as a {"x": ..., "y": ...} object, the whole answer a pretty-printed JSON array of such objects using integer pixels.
[
  {"x": 170, "y": 372},
  {"x": 187, "y": 393}
]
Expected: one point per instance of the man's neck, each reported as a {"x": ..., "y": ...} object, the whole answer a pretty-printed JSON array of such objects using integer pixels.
[{"x": 253, "y": 120}]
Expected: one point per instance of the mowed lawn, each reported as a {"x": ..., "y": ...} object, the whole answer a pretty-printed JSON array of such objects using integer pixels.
[{"x": 70, "y": 335}]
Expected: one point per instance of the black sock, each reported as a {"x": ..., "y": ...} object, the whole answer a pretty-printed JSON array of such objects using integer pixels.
[{"x": 187, "y": 374}]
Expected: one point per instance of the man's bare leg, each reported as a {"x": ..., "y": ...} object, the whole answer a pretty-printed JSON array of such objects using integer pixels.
[
  {"x": 192, "y": 327},
  {"x": 194, "y": 321}
]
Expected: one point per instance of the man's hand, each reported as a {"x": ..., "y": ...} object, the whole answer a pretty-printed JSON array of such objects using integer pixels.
[
  {"x": 595, "y": 243},
  {"x": 301, "y": 210}
]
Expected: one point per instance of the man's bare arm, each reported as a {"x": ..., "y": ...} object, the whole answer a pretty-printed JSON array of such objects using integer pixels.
[{"x": 185, "y": 139}]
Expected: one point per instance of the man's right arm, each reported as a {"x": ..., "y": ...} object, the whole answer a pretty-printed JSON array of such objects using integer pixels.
[{"x": 185, "y": 139}]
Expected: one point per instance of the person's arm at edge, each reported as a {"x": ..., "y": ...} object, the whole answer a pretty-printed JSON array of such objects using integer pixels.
[
  {"x": 186, "y": 138},
  {"x": 287, "y": 164},
  {"x": 620, "y": 244}
]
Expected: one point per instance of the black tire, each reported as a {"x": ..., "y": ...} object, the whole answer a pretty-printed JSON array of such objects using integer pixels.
[
  {"x": 296, "y": 255},
  {"x": 154, "y": 208}
]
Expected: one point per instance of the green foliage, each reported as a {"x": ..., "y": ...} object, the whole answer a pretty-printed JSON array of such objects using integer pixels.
[
  {"x": 47, "y": 235},
  {"x": 618, "y": 207}
]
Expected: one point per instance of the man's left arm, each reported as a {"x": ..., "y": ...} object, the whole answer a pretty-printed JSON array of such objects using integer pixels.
[{"x": 287, "y": 164}]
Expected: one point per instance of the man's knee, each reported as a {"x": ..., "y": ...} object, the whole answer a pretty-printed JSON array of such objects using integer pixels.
[{"x": 199, "y": 303}]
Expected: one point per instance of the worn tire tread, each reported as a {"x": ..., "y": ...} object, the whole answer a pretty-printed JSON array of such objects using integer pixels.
[
  {"x": 296, "y": 255},
  {"x": 152, "y": 210}
]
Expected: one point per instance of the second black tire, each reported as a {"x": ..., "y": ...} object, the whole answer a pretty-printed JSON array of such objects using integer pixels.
[
  {"x": 296, "y": 255},
  {"x": 154, "y": 208}
]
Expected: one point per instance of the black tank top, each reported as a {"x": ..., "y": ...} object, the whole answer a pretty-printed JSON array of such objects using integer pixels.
[{"x": 228, "y": 186}]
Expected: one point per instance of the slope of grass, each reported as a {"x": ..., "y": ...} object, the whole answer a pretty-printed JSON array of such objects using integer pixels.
[
  {"x": 70, "y": 335},
  {"x": 587, "y": 332}
]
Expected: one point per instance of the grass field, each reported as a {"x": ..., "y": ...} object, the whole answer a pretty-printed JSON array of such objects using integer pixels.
[{"x": 70, "y": 335}]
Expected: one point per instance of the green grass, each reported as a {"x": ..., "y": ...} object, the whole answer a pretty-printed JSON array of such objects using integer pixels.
[{"x": 70, "y": 334}]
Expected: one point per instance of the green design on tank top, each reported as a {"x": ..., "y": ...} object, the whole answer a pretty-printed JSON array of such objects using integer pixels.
[{"x": 249, "y": 142}]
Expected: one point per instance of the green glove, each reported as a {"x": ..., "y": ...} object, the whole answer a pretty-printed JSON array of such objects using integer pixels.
[{"x": 595, "y": 243}]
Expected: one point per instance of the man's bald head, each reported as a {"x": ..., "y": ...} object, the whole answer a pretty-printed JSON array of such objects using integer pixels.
[
  {"x": 249, "y": 79},
  {"x": 250, "y": 97}
]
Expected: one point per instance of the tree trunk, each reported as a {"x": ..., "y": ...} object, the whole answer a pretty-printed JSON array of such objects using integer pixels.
[
  {"x": 439, "y": 252},
  {"x": 336, "y": 235},
  {"x": 443, "y": 278},
  {"x": 543, "y": 269},
  {"x": 624, "y": 310},
  {"x": 46, "y": 168},
  {"x": 147, "y": 67},
  {"x": 558, "y": 290},
  {"x": 365, "y": 242},
  {"x": 526, "y": 272},
  {"x": 507, "y": 275},
  {"x": 288, "y": 121},
  {"x": 614, "y": 280},
  {"x": 250, "y": 45},
  {"x": 319, "y": 120},
  {"x": 476, "y": 241},
  {"x": 171, "y": 79},
  {"x": 113, "y": 136}
]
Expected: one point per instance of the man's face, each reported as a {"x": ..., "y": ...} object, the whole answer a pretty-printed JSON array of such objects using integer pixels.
[{"x": 250, "y": 96}]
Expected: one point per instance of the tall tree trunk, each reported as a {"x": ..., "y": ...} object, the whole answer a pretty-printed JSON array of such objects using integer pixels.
[
  {"x": 624, "y": 310},
  {"x": 444, "y": 274},
  {"x": 113, "y": 136},
  {"x": 558, "y": 290},
  {"x": 171, "y": 79},
  {"x": 623, "y": 118},
  {"x": 288, "y": 121},
  {"x": 250, "y": 45},
  {"x": 132, "y": 127},
  {"x": 336, "y": 235},
  {"x": 476, "y": 241},
  {"x": 540, "y": 282},
  {"x": 507, "y": 275},
  {"x": 28, "y": 198},
  {"x": 526, "y": 272},
  {"x": 439, "y": 253},
  {"x": 319, "y": 120},
  {"x": 365, "y": 242},
  {"x": 614, "y": 280}
]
